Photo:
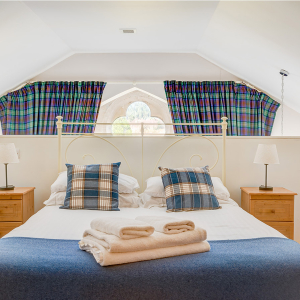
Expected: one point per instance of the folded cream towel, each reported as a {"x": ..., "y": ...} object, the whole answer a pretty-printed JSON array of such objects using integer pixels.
[
  {"x": 168, "y": 225},
  {"x": 106, "y": 258},
  {"x": 113, "y": 243},
  {"x": 122, "y": 227}
]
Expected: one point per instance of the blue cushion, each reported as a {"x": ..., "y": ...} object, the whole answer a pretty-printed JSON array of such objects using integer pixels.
[
  {"x": 92, "y": 187},
  {"x": 188, "y": 189}
]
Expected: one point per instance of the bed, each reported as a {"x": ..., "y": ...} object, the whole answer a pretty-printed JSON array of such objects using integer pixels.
[{"x": 248, "y": 260}]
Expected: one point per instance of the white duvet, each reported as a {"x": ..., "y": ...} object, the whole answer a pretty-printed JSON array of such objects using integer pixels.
[{"x": 229, "y": 223}]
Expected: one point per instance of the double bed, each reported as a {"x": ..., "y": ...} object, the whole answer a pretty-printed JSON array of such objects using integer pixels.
[{"x": 248, "y": 260}]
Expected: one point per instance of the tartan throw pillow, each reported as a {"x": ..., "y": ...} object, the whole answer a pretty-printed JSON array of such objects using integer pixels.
[
  {"x": 188, "y": 189},
  {"x": 92, "y": 187}
]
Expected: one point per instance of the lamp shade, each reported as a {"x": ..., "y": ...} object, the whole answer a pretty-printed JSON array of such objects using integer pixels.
[
  {"x": 266, "y": 154},
  {"x": 8, "y": 153}
]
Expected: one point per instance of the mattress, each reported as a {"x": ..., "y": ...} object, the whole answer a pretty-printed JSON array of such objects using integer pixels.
[{"x": 229, "y": 223}]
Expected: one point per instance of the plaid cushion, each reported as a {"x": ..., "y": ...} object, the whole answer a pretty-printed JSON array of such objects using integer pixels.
[
  {"x": 188, "y": 189},
  {"x": 92, "y": 187}
]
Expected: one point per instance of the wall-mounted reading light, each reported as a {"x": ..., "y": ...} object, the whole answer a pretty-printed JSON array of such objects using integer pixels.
[{"x": 283, "y": 74}]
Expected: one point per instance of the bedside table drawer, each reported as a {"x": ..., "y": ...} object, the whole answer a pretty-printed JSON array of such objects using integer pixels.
[
  {"x": 11, "y": 197},
  {"x": 6, "y": 227},
  {"x": 286, "y": 228},
  {"x": 269, "y": 210},
  {"x": 10, "y": 210}
]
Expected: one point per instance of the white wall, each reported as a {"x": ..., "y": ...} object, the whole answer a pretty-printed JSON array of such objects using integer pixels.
[
  {"x": 291, "y": 122},
  {"x": 38, "y": 161},
  {"x": 128, "y": 67}
]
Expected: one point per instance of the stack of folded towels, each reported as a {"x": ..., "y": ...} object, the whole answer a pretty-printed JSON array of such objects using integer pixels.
[{"x": 115, "y": 241}]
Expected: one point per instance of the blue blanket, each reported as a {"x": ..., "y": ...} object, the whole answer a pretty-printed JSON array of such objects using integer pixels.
[{"x": 266, "y": 268}]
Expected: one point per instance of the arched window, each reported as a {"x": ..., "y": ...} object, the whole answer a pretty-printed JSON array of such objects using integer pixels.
[
  {"x": 134, "y": 106},
  {"x": 138, "y": 112}
]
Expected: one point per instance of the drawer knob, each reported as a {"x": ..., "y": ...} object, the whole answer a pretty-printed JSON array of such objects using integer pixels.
[{"x": 273, "y": 211}]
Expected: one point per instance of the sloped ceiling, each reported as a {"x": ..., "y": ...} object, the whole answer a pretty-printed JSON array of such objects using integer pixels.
[
  {"x": 27, "y": 45},
  {"x": 252, "y": 40}
]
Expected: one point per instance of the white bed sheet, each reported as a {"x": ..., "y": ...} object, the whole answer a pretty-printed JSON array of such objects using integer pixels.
[{"x": 229, "y": 223}]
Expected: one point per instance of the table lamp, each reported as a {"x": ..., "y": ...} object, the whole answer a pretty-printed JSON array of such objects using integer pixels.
[
  {"x": 8, "y": 155},
  {"x": 266, "y": 154}
]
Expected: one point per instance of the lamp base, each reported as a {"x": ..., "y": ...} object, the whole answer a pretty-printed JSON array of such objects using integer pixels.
[
  {"x": 266, "y": 188},
  {"x": 6, "y": 188}
]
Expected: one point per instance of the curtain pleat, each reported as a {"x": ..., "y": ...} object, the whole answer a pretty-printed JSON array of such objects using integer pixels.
[
  {"x": 249, "y": 112},
  {"x": 32, "y": 110}
]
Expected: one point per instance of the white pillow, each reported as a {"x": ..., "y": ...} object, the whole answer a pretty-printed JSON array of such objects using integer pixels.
[
  {"x": 125, "y": 200},
  {"x": 155, "y": 188},
  {"x": 221, "y": 191},
  {"x": 60, "y": 184},
  {"x": 127, "y": 184},
  {"x": 149, "y": 201},
  {"x": 56, "y": 198}
]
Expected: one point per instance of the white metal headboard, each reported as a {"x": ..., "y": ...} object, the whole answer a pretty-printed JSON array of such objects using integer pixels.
[{"x": 222, "y": 124}]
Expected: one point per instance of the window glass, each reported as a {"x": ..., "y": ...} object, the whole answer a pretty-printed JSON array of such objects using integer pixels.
[
  {"x": 121, "y": 129},
  {"x": 138, "y": 112}
]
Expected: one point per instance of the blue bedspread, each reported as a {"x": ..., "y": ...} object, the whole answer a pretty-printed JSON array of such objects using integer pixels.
[{"x": 266, "y": 268}]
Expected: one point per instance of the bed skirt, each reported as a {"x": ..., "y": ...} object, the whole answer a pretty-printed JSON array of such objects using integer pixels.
[{"x": 264, "y": 268}]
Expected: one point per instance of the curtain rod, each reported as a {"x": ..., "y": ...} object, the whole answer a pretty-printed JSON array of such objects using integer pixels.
[
  {"x": 129, "y": 82},
  {"x": 124, "y": 82},
  {"x": 135, "y": 82},
  {"x": 110, "y": 82}
]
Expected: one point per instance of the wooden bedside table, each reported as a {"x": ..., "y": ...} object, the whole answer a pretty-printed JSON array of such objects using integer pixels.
[
  {"x": 16, "y": 207},
  {"x": 275, "y": 208}
]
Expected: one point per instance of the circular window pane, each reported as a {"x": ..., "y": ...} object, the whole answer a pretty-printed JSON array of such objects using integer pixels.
[
  {"x": 138, "y": 112},
  {"x": 155, "y": 128},
  {"x": 124, "y": 128}
]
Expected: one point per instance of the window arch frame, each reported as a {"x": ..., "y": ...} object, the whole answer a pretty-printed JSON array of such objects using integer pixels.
[{"x": 116, "y": 107}]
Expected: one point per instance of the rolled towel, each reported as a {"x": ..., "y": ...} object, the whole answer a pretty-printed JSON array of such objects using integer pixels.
[
  {"x": 114, "y": 244},
  {"x": 168, "y": 225},
  {"x": 122, "y": 227},
  {"x": 106, "y": 258}
]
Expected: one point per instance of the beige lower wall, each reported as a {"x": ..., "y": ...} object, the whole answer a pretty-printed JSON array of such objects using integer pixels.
[{"x": 38, "y": 161}]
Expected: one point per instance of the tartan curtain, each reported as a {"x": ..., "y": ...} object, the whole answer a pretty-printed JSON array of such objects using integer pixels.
[
  {"x": 249, "y": 112},
  {"x": 32, "y": 110}
]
